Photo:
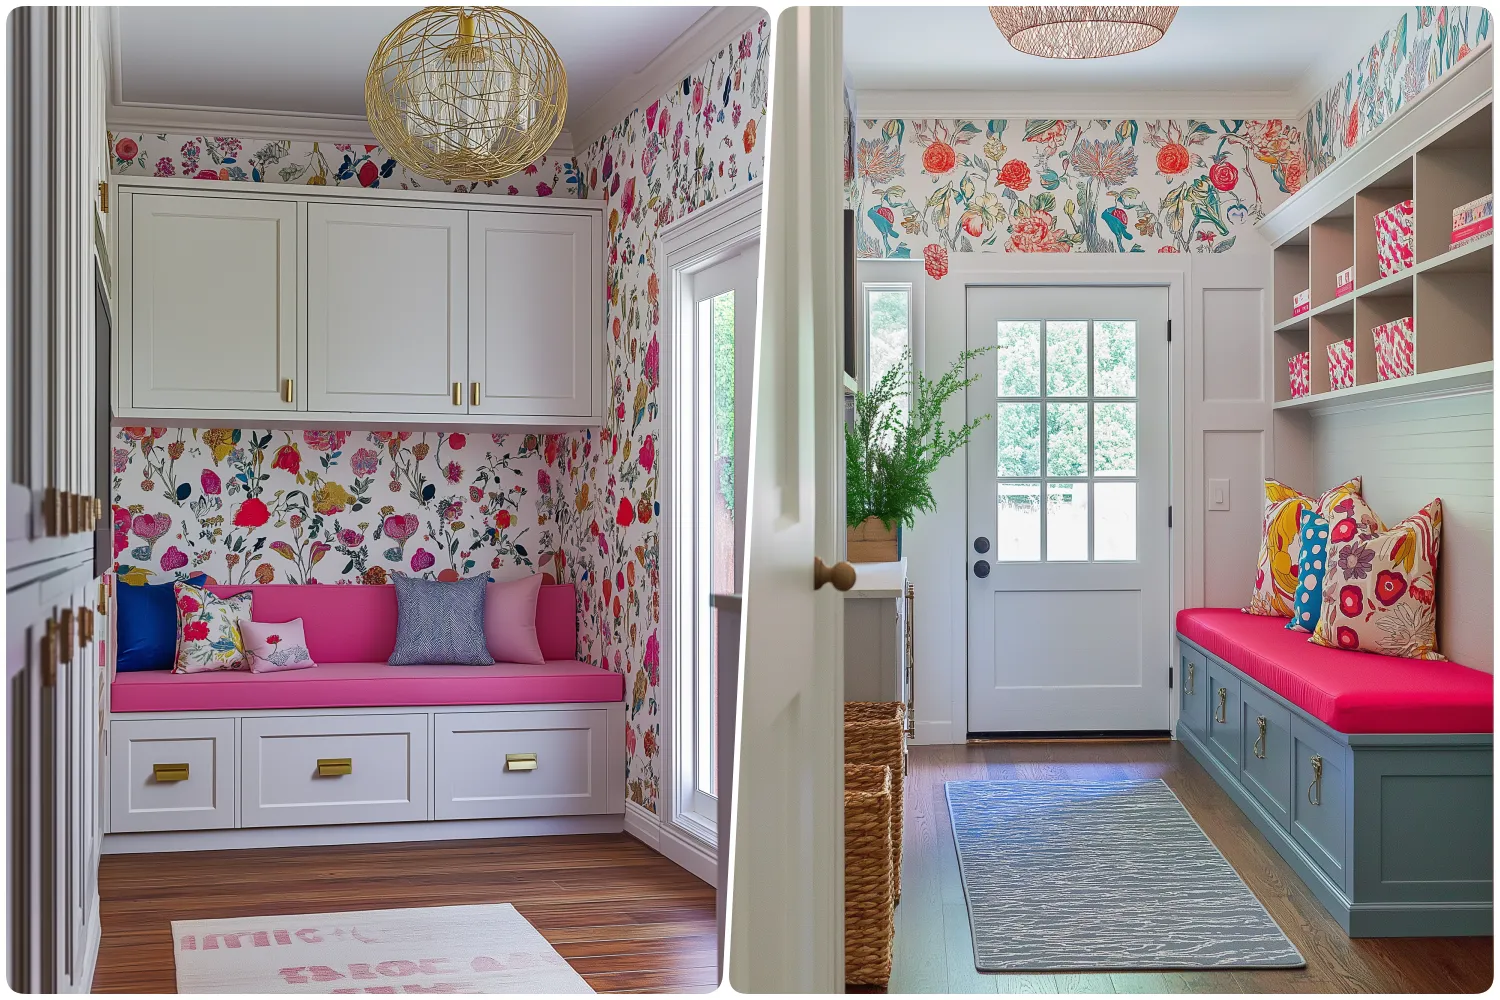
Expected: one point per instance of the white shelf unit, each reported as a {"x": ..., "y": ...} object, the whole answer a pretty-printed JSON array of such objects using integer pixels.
[{"x": 1448, "y": 292}]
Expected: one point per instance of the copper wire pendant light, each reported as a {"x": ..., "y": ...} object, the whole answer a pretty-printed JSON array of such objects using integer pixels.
[
  {"x": 466, "y": 93},
  {"x": 1082, "y": 32}
]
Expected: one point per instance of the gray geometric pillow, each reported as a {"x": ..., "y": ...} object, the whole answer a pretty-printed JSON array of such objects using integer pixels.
[{"x": 440, "y": 622}]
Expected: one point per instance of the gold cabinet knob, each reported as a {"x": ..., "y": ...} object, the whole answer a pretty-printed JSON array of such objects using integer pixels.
[{"x": 841, "y": 575}]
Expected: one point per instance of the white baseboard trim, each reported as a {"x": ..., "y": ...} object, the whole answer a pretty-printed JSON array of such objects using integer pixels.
[
  {"x": 85, "y": 981},
  {"x": 685, "y": 852},
  {"x": 364, "y": 833}
]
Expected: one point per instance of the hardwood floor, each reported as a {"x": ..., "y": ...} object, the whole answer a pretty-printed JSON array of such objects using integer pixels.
[
  {"x": 934, "y": 954},
  {"x": 627, "y": 919}
]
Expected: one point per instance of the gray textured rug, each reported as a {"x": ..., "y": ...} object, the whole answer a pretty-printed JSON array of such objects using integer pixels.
[{"x": 1067, "y": 875}]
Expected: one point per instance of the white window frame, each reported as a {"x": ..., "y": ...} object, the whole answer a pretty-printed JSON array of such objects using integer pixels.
[
  {"x": 689, "y": 831},
  {"x": 881, "y": 275}
]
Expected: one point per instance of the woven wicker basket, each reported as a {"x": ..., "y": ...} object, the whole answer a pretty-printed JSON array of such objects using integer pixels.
[
  {"x": 869, "y": 909},
  {"x": 874, "y": 733}
]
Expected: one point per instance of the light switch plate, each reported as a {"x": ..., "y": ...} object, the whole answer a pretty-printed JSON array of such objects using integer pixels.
[{"x": 1218, "y": 494}]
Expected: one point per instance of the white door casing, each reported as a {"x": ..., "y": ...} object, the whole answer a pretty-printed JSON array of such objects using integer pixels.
[
  {"x": 387, "y": 309},
  {"x": 785, "y": 931},
  {"x": 533, "y": 290},
  {"x": 1069, "y": 601},
  {"x": 211, "y": 330}
]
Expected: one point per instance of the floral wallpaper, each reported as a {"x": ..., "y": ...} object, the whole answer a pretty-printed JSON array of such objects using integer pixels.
[
  {"x": 282, "y": 161},
  {"x": 1423, "y": 45},
  {"x": 939, "y": 186},
  {"x": 700, "y": 141},
  {"x": 318, "y": 506}
]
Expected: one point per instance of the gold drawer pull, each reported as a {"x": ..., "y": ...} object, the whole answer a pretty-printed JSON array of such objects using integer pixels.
[
  {"x": 475, "y": 398},
  {"x": 1223, "y": 715},
  {"x": 288, "y": 391},
  {"x": 1259, "y": 749},
  {"x": 458, "y": 394},
  {"x": 520, "y": 762},
  {"x": 1317, "y": 782},
  {"x": 169, "y": 772},
  {"x": 332, "y": 767}
]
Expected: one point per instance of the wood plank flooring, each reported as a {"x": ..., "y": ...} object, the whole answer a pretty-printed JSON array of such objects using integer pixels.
[
  {"x": 934, "y": 953},
  {"x": 627, "y": 919}
]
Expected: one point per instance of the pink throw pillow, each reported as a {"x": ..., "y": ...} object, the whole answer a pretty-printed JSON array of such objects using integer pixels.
[
  {"x": 510, "y": 620},
  {"x": 272, "y": 646}
]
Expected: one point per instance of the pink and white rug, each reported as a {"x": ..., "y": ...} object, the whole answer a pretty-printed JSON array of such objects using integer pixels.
[{"x": 437, "y": 949}]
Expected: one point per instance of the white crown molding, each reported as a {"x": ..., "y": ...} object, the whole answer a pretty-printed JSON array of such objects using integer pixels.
[
  {"x": 676, "y": 61},
  {"x": 982, "y": 104}
]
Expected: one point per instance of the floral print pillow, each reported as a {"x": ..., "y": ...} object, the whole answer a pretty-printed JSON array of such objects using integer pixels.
[
  {"x": 1380, "y": 590},
  {"x": 208, "y": 630},
  {"x": 1276, "y": 570},
  {"x": 272, "y": 646}
]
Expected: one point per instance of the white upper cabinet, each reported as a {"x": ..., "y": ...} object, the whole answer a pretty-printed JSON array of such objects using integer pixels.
[
  {"x": 210, "y": 293},
  {"x": 533, "y": 313},
  {"x": 387, "y": 310}
]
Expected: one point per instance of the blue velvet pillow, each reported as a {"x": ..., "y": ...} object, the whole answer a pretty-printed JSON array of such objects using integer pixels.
[
  {"x": 439, "y": 621},
  {"x": 146, "y": 625},
  {"x": 1312, "y": 563}
]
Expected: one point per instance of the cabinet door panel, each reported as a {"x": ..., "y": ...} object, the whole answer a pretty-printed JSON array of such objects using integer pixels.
[
  {"x": 212, "y": 312},
  {"x": 387, "y": 312},
  {"x": 534, "y": 338}
]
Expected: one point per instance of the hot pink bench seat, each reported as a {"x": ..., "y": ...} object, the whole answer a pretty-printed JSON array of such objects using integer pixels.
[
  {"x": 1351, "y": 692},
  {"x": 351, "y": 631}
]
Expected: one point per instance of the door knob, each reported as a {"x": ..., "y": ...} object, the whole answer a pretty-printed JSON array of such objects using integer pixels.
[
  {"x": 981, "y": 568},
  {"x": 981, "y": 545},
  {"x": 841, "y": 575}
]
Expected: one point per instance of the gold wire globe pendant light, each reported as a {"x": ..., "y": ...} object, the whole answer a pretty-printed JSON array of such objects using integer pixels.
[
  {"x": 1082, "y": 32},
  {"x": 466, "y": 93}
]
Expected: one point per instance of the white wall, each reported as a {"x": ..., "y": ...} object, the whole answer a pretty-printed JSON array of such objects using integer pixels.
[
  {"x": 1221, "y": 426},
  {"x": 1408, "y": 452}
]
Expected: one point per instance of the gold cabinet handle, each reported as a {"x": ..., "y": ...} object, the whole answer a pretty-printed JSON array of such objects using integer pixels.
[
  {"x": 1316, "y": 785},
  {"x": 1192, "y": 686},
  {"x": 169, "y": 772},
  {"x": 48, "y": 653},
  {"x": 65, "y": 640},
  {"x": 1259, "y": 749},
  {"x": 458, "y": 394},
  {"x": 474, "y": 396},
  {"x": 1223, "y": 713},
  {"x": 288, "y": 390},
  {"x": 332, "y": 767},
  {"x": 520, "y": 762},
  {"x": 103, "y": 197},
  {"x": 85, "y": 627},
  {"x": 841, "y": 575}
]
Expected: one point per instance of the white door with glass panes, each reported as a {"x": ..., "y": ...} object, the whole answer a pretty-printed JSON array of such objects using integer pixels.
[{"x": 1068, "y": 493}]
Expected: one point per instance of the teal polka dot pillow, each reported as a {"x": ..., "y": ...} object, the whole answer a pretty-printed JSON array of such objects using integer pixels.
[{"x": 1312, "y": 562}]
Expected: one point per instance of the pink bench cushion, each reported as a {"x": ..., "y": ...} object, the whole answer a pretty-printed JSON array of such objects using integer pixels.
[
  {"x": 1351, "y": 692},
  {"x": 357, "y": 624},
  {"x": 366, "y": 685}
]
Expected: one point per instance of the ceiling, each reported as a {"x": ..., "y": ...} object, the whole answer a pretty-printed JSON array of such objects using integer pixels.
[
  {"x": 1261, "y": 54},
  {"x": 311, "y": 61}
]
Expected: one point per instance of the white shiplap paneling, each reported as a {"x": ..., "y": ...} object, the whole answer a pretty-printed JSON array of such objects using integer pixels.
[{"x": 1409, "y": 452}]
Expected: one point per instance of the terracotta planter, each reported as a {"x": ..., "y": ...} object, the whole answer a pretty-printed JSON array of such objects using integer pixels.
[{"x": 872, "y": 541}]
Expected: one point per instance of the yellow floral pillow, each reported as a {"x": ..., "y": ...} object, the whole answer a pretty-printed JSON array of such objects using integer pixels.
[
  {"x": 1275, "y": 591},
  {"x": 208, "y": 630},
  {"x": 1380, "y": 590}
]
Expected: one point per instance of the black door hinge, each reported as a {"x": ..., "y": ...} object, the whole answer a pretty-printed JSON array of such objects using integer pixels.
[
  {"x": 1169, "y": 517},
  {"x": 1169, "y": 678},
  {"x": 1169, "y": 331}
]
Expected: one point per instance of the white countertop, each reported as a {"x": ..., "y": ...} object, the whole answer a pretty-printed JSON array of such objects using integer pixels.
[{"x": 879, "y": 579}]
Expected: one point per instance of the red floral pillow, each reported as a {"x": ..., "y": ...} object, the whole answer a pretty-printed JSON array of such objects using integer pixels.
[
  {"x": 1380, "y": 589},
  {"x": 208, "y": 630}
]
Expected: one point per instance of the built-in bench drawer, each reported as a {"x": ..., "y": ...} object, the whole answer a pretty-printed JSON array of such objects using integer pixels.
[
  {"x": 524, "y": 763},
  {"x": 308, "y": 770},
  {"x": 1320, "y": 800},
  {"x": 1192, "y": 682},
  {"x": 1223, "y": 691},
  {"x": 171, "y": 774},
  {"x": 1266, "y": 752}
]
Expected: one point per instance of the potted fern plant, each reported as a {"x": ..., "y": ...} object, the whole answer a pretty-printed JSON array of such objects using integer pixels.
[{"x": 893, "y": 445}]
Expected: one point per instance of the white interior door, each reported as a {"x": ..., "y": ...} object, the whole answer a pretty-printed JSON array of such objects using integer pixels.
[
  {"x": 1068, "y": 519},
  {"x": 786, "y": 895}
]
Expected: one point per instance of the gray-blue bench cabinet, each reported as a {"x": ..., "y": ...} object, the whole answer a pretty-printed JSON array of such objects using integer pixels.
[{"x": 1393, "y": 833}]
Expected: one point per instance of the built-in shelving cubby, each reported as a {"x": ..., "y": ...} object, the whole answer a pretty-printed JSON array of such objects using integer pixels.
[{"x": 1448, "y": 291}]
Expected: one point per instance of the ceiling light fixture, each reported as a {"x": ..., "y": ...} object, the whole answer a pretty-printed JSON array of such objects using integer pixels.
[
  {"x": 1082, "y": 32},
  {"x": 466, "y": 93}
]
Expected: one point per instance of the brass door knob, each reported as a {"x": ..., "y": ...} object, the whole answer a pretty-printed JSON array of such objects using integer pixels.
[{"x": 841, "y": 575}]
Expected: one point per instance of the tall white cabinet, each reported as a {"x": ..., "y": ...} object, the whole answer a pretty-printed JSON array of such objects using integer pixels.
[{"x": 275, "y": 304}]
